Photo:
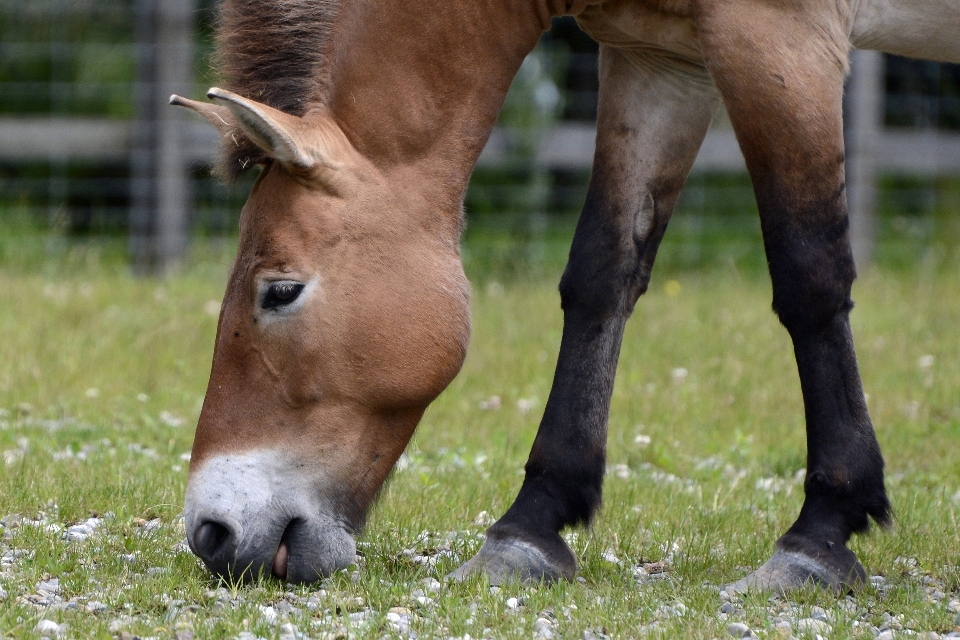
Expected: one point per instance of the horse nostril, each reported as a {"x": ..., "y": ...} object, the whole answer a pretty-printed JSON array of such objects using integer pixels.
[{"x": 210, "y": 539}]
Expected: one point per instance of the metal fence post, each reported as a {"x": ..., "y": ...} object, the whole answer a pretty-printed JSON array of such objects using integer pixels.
[
  {"x": 160, "y": 180},
  {"x": 863, "y": 114}
]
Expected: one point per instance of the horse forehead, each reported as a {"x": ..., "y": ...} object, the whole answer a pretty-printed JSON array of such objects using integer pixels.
[{"x": 283, "y": 215}]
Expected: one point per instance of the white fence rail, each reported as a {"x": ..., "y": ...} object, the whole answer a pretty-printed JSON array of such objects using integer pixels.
[
  {"x": 162, "y": 183},
  {"x": 569, "y": 145}
]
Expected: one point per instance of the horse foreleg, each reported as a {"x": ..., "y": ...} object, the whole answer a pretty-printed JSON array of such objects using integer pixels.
[
  {"x": 780, "y": 70},
  {"x": 654, "y": 111}
]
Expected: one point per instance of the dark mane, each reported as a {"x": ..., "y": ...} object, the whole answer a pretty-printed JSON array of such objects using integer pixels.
[{"x": 271, "y": 51}]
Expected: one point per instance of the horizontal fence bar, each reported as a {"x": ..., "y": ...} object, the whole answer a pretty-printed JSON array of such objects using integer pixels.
[{"x": 567, "y": 146}]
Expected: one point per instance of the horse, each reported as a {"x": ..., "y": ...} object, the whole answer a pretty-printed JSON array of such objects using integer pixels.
[{"x": 347, "y": 309}]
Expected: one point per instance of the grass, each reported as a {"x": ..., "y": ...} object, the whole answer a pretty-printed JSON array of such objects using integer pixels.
[{"x": 103, "y": 376}]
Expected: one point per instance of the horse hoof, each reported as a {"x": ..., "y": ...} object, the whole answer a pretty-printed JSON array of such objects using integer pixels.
[
  {"x": 792, "y": 570},
  {"x": 511, "y": 559}
]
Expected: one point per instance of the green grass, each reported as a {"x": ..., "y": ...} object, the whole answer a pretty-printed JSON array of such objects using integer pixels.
[{"x": 103, "y": 376}]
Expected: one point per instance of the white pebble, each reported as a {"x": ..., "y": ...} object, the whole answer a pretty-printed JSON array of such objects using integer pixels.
[
  {"x": 268, "y": 613},
  {"x": 819, "y": 613},
  {"x": 812, "y": 625},
  {"x": 51, "y": 586},
  {"x": 543, "y": 629},
  {"x": 513, "y": 603},
  {"x": 484, "y": 519},
  {"x": 49, "y": 628}
]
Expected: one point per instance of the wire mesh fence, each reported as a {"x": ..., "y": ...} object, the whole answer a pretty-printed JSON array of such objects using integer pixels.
[{"x": 71, "y": 90}]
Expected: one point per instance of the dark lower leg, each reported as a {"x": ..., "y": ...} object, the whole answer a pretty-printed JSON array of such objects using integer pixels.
[
  {"x": 812, "y": 272},
  {"x": 564, "y": 473},
  {"x": 653, "y": 113},
  {"x": 844, "y": 483}
]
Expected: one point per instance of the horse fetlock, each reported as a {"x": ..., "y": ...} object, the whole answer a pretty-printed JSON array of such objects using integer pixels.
[
  {"x": 549, "y": 501},
  {"x": 513, "y": 557},
  {"x": 844, "y": 507}
]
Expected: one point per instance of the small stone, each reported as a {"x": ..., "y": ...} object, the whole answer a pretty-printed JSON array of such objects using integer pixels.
[
  {"x": 543, "y": 629},
  {"x": 728, "y": 608},
  {"x": 783, "y": 628},
  {"x": 812, "y": 625},
  {"x": 49, "y": 587},
  {"x": 581, "y": 580},
  {"x": 677, "y": 610},
  {"x": 432, "y": 585},
  {"x": 11, "y": 521},
  {"x": 885, "y": 635},
  {"x": 269, "y": 614},
  {"x": 49, "y": 628},
  {"x": 818, "y": 613},
  {"x": 513, "y": 603},
  {"x": 484, "y": 519},
  {"x": 285, "y": 607},
  {"x": 739, "y": 630}
]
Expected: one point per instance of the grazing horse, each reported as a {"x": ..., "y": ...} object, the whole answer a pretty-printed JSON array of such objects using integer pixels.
[{"x": 346, "y": 311}]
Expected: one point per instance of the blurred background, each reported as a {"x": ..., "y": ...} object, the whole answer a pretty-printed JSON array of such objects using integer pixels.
[{"x": 93, "y": 160}]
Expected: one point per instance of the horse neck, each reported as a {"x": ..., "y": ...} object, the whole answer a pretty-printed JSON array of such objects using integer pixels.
[{"x": 418, "y": 86}]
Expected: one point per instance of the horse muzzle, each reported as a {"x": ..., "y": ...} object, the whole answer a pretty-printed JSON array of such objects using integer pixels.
[{"x": 255, "y": 514}]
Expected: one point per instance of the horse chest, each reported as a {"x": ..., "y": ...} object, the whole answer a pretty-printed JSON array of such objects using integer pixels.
[{"x": 666, "y": 25}]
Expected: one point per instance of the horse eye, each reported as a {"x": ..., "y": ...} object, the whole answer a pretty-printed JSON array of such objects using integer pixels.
[{"x": 280, "y": 294}]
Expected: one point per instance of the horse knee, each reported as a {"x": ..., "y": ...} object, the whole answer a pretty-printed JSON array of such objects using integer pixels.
[
  {"x": 811, "y": 285},
  {"x": 611, "y": 258}
]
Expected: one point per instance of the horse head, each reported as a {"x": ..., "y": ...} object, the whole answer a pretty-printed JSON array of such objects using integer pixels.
[{"x": 344, "y": 316}]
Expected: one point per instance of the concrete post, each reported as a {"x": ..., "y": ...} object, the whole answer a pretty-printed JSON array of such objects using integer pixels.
[
  {"x": 863, "y": 115},
  {"x": 160, "y": 181}
]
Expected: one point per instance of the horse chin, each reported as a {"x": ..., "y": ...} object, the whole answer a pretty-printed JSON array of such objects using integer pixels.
[{"x": 314, "y": 552}]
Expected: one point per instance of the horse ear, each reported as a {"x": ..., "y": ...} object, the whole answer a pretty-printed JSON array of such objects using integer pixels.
[
  {"x": 284, "y": 137},
  {"x": 219, "y": 117}
]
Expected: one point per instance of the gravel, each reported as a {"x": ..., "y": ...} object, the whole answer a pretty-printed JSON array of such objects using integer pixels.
[{"x": 321, "y": 613}]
